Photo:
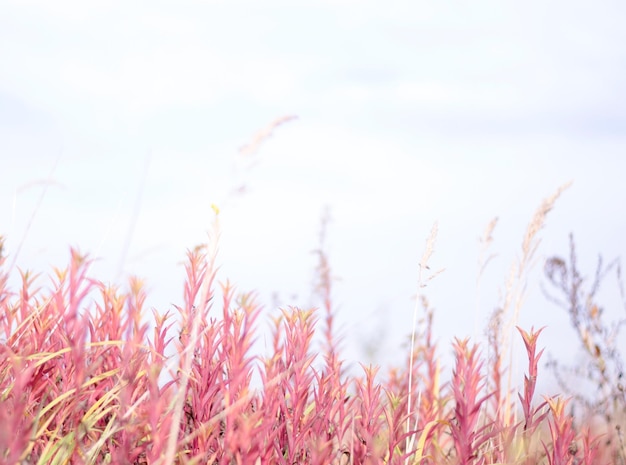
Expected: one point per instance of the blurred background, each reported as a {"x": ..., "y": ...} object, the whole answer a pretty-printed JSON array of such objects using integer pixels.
[{"x": 121, "y": 123}]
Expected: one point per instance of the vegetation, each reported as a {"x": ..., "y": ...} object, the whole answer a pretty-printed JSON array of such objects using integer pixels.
[{"x": 87, "y": 377}]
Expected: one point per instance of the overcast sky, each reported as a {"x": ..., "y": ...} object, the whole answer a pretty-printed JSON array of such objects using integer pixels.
[{"x": 132, "y": 114}]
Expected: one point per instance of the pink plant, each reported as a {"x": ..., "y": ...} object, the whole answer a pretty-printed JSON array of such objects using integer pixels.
[
  {"x": 467, "y": 386},
  {"x": 530, "y": 380},
  {"x": 563, "y": 449}
]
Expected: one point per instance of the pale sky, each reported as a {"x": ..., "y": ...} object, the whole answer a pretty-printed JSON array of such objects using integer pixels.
[{"x": 409, "y": 112}]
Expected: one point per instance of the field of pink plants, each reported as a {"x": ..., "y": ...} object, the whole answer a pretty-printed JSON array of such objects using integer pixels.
[{"x": 88, "y": 375}]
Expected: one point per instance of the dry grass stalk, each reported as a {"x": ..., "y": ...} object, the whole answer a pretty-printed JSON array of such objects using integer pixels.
[{"x": 503, "y": 322}]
